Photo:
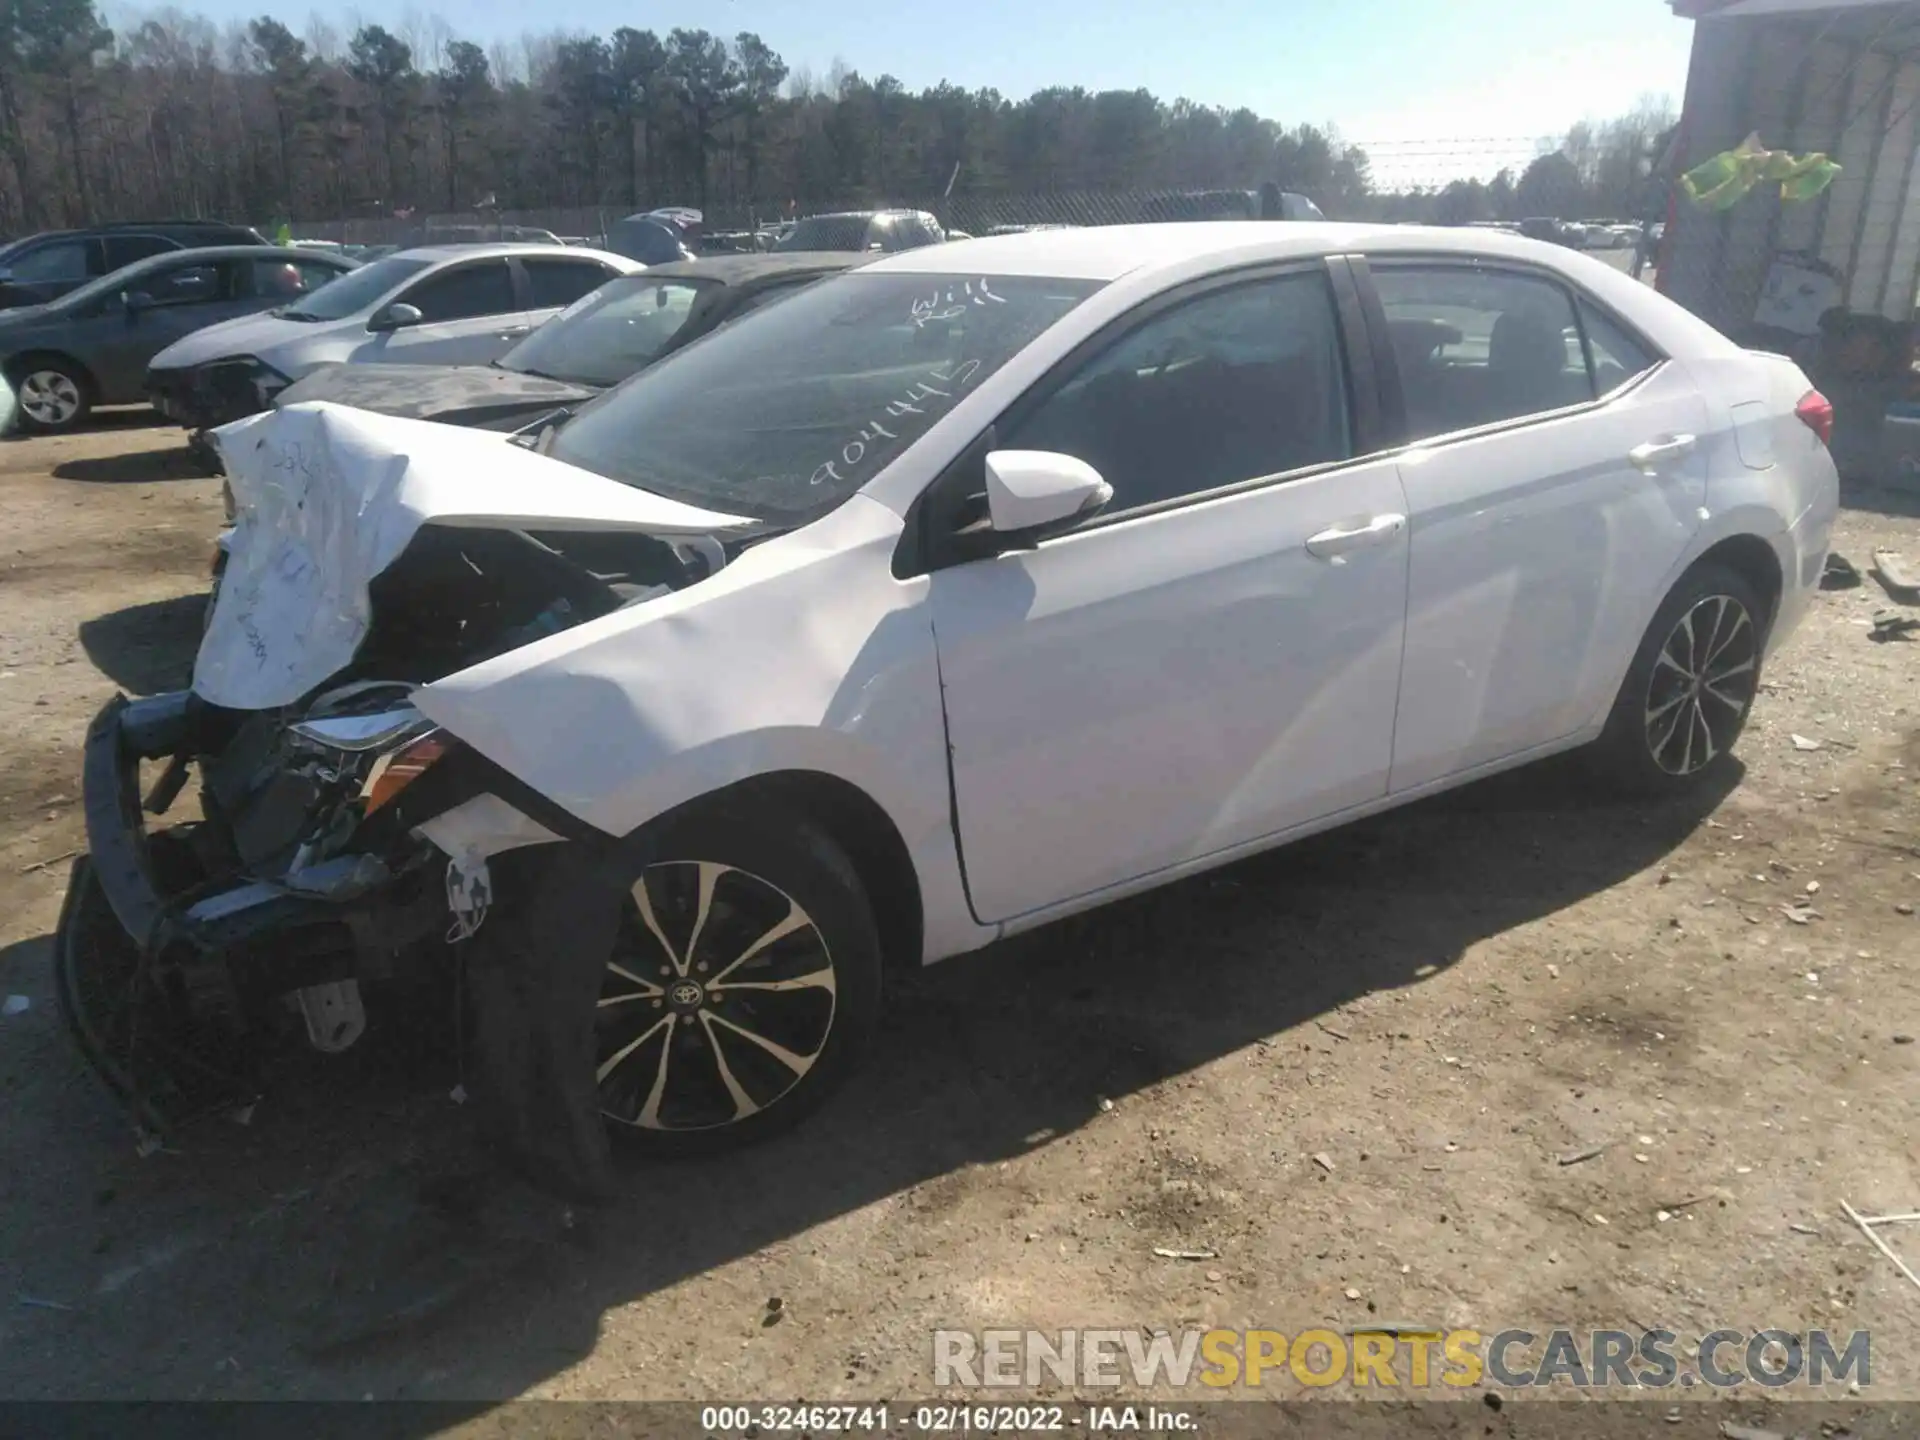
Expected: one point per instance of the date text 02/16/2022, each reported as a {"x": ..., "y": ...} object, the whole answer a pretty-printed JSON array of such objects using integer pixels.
[{"x": 941, "y": 1419}]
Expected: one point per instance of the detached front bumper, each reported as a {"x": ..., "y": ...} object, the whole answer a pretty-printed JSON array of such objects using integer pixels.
[
  {"x": 121, "y": 735},
  {"x": 153, "y": 912},
  {"x": 148, "y": 953}
]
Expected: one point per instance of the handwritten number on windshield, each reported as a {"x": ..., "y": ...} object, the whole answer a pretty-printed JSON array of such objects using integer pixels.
[{"x": 954, "y": 375}]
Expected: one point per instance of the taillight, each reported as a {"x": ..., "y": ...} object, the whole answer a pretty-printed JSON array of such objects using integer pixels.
[{"x": 1816, "y": 412}]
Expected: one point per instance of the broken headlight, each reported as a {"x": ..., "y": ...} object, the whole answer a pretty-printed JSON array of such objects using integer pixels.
[
  {"x": 242, "y": 385},
  {"x": 385, "y": 751},
  {"x": 397, "y": 769}
]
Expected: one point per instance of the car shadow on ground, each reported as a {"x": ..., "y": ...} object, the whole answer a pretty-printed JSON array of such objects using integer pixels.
[
  {"x": 147, "y": 649},
  {"x": 103, "y": 421},
  {"x": 366, "y": 1246},
  {"x": 1898, "y": 496},
  {"x": 140, "y": 467}
]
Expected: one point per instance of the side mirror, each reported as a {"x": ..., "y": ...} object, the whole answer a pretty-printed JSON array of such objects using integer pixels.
[
  {"x": 396, "y": 316},
  {"x": 136, "y": 301},
  {"x": 1029, "y": 490}
]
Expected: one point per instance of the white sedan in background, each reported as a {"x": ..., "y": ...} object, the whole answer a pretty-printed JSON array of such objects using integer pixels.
[
  {"x": 434, "y": 305},
  {"x": 981, "y": 586}
]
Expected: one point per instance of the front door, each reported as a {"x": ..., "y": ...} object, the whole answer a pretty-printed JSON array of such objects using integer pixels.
[
  {"x": 469, "y": 315},
  {"x": 1214, "y": 659},
  {"x": 1557, "y": 472},
  {"x": 175, "y": 300}
]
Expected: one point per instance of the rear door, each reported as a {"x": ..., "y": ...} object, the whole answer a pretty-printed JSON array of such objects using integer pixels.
[
  {"x": 1556, "y": 471},
  {"x": 470, "y": 313}
]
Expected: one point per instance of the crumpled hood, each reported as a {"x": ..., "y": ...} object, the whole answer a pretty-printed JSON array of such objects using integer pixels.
[
  {"x": 243, "y": 335},
  {"x": 329, "y": 497},
  {"x": 451, "y": 394}
]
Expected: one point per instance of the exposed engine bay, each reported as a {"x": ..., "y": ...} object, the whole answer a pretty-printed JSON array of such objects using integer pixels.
[{"x": 342, "y": 844}]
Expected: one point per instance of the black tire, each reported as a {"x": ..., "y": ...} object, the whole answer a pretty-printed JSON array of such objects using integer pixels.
[
  {"x": 758, "y": 872},
  {"x": 53, "y": 395},
  {"x": 1671, "y": 731}
]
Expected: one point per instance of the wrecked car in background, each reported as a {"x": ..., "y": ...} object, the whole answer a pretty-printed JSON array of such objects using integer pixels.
[
  {"x": 436, "y": 305},
  {"x": 91, "y": 345},
  {"x": 945, "y": 598},
  {"x": 592, "y": 345}
]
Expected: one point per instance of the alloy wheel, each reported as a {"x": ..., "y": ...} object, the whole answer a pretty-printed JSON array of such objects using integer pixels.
[
  {"x": 1702, "y": 685},
  {"x": 717, "y": 1001},
  {"x": 49, "y": 397}
]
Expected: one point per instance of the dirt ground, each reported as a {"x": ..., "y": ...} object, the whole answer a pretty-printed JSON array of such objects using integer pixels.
[{"x": 1442, "y": 1004}]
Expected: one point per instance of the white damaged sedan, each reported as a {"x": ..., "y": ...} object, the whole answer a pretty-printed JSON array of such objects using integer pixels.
[{"x": 980, "y": 586}]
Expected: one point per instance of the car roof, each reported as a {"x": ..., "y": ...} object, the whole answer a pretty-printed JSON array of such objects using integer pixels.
[
  {"x": 484, "y": 249},
  {"x": 748, "y": 269},
  {"x": 886, "y": 210},
  {"x": 115, "y": 227},
  {"x": 232, "y": 252},
  {"x": 1106, "y": 252}
]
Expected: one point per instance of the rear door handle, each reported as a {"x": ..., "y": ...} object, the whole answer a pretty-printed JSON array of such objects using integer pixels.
[
  {"x": 516, "y": 330},
  {"x": 1332, "y": 544},
  {"x": 1650, "y": 456}
]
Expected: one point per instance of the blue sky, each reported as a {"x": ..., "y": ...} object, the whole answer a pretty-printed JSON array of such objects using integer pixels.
[{"x": 1423, "y": 80}]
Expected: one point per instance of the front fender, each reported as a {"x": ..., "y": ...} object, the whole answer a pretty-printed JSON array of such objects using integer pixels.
[{"x": 804, "y": 654}]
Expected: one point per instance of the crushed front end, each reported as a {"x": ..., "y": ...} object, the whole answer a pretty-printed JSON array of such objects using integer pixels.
[
  {"x": 340, "y": 856},
  {"x": 181, "y": 950}
]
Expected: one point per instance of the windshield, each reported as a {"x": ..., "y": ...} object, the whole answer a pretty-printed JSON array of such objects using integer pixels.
[
  {"x": 827, "y": 232},
  {"x": 356, "y": 290},
  {"x": 607, "y": 334},
  {"x": 783, "y": 414}
]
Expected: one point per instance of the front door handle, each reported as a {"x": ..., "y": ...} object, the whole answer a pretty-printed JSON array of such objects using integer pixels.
[
  {"x": 1332, "y": 544},
  {"x": 513, "y": 330},
  {"x": 1650, "y": 456}
]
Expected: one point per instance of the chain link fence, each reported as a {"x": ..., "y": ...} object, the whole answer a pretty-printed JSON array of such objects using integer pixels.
[
  {"x": 966, "y": 212},
  {"x": 970, "y": 213}
]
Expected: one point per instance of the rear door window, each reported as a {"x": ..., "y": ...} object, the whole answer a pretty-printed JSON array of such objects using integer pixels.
[
  {"x": 554, "y": 283},
  {"x": 287, "y": 279},
  {"x": 183, "y": 285},
  {"x": 1616, "y": 355},
  {"x": 1476, "y": 346},
  {"x": 484, "y": 287}
]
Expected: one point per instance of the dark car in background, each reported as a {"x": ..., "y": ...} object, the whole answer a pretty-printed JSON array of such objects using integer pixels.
[
  {"x": 659, "y": 237},
  {"x": 1269, "y": 202},
  {"x": 37, "y": 268},
  {"x": 887, "y": 231},
  {"x": 91, "y": 345},
  {"x": 594, "y": 344}
]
